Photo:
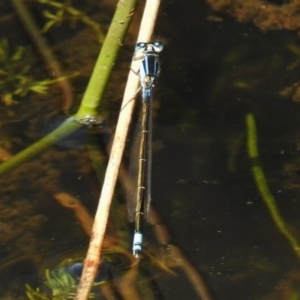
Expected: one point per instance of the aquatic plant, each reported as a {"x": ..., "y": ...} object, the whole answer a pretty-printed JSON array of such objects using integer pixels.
[
  {"x": 65, "y": 12},
  {"x": 263, "y": 188},
  {"x": 62, "y": 286},
  {"x": 16, "y": 78}
]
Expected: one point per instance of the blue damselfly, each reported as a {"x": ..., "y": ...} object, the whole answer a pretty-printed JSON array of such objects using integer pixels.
[{"x": 149, "y": 69}]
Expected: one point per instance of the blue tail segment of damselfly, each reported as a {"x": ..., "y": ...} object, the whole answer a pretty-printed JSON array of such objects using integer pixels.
[{"x": 149, "y": 69}]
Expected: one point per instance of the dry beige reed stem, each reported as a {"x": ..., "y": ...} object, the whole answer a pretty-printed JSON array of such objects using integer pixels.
[{"x": 94, "y": 252}]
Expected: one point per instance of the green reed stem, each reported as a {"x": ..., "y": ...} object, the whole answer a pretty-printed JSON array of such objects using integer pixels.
[
  {"x": 95, "y": 89},
  {"x": 107, "y": 57},
  {"x": 62, "y": 131},
  {"x": 262, "y": 186}
]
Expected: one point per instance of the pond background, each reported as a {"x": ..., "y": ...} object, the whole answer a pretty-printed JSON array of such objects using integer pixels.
[{"x": 215, "y": 70}]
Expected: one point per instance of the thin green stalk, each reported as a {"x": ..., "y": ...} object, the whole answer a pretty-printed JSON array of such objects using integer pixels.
[
  {"x": 62, "y": 131},
  {"x": 94, "y": 92},
  {"x": 107, "y": 57},
  {"x": 262, "y": 186}
]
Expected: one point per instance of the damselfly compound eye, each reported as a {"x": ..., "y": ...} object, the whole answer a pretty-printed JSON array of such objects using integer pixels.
[
  {"x": 158, "y": 46},
  {"x": 140, "y": 46}
]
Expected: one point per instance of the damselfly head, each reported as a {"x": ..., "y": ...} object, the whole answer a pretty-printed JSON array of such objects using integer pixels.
[{"x": 155, "y": 46}]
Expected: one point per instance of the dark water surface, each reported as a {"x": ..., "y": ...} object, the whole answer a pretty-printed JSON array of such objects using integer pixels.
[{"x": 215, "y": 70}]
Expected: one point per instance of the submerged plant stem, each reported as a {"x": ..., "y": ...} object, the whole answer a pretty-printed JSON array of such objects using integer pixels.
[
  {"x": 262, "y": 186},
  {"x": 163, "y": 236},
  {"x": 62, "y": 131},
  {"x": 44, "y": 49}
]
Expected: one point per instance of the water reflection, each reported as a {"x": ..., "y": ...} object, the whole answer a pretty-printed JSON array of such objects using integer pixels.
[{"x": 105, "y": 271}]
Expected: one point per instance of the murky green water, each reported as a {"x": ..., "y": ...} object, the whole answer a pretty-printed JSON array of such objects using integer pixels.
[{"x": 215, "y": 70}]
